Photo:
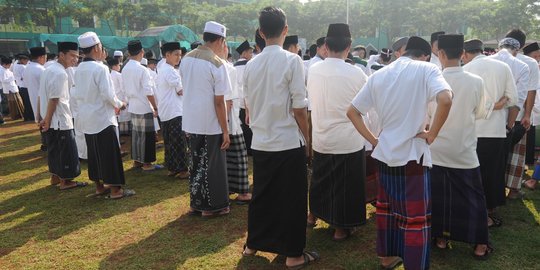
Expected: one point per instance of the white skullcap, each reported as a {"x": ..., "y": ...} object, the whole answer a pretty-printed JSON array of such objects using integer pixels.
[
  {"x": 215, "y": 28},
  {"x": 118, "y": 53},
  {"x": 88, "y": 39},
  {"x": 144, "y": 61}
]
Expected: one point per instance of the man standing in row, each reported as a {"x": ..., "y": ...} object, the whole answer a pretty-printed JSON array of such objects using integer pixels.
[
  {"x": 169, "y": 95},
  {"x": 142, "y": 106},
  {"x": 206, "y": 82},
  {"x": 32, "y": 75},
  {"x": 400, "y": 93},
  {"x": 57, "y": 122},
  {"x": 18, "y": 72},
  {"x": 9, "y": 86},
  {"x": 246, "y": 53},
  {"x": 276, "y": 103},
  {"x": 435, "y": 49}
]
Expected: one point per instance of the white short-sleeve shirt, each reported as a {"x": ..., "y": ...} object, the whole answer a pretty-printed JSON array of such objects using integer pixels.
[
  {"x": 399, "y": 93},
  {"x": 31, "y": 76},
  {"x": 274, "y": 85},
  {"x": 332, "y": 85},
  {"x": 204, "y": 76},
  {"x": 54, "y": 84},
  {"x": 138, "y": 85},
  {"x": 168, "y": 85}
]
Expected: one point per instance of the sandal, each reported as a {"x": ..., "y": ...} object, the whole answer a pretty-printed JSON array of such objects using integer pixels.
[
  {"x": 195, "y": 213},
  {"x": 77, "y": 184},
  {"x": 486, "y": 254},
  {"x": 223, "y": 212},
  {"x": 496, "y": 222},
  {"x": 309, "y": 257},
  {"x": 446, "y": 242},
  {"x": 245, "y": 254},
  {"x": 125, "y": 193},
  {"x": 395, "y": 263},
  {"x": 349, "y": 233},
  {"x": 172, "y": 174},
  {"x": 153, "y": 168}
]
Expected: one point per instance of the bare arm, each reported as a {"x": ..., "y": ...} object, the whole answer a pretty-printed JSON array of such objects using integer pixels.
[
  {"x": 51, "y": 108},
  {"x": 154, "y": 105},
  {"x": 529, "y": 104},
  {"x": 444, "y": 103},
  {"x": 221, "y": 112},
  {"x": 512, "y": 116},
  {"x": 358, "y": 123},
  {"x": 300, "y": 115}
]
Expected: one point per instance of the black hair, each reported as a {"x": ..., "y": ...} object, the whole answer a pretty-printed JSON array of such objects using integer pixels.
[
  {"x": 453, "y": 53},
  {"x": 209, "y": 37},
  {"x": 88, "y": 50},
  {"x": 338, "y": 44},
  {"x": 306, "y": 57},
  {"x": 272, "y": 21},
  {"x": 149, "y": 55},
  {"x": 184, "y": 50},
  {"x": 475, "y": 51},
  {"x": 133, "y": 53},
  {"x": 51, "y": 56},
  {"x": 415, "y": 53},
  {"x": 312, "y": 50},
  {"x": 64, "y": 51},
  {"x": 385, "y": 58}
]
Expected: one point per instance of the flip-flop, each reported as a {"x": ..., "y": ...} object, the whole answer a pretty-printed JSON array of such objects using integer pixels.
[
  {"x": 245, "y": 254},
  {"x": 392, "y": 265},
  {"x": 486, "y": 254},
  {"x": 242, "y": 202},
  {"x": 96, "y": 194},
  {"x": 77, "y": 184},
  {"x": 496, "y": 222},
  {"x": 309, "y": 257},
  {"x": 220, "y": 213},
  {"x": 153, "y": 168},
  {"x": 125, "y": 193}
]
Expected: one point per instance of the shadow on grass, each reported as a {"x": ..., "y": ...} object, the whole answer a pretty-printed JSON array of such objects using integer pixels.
[
  {"x": 187, "y": 237},
  {"x": 48, "y": 214},
  {"x": 17, "y": 163},
  {"x": 19, "y": 133},
  {"x": 18, "y": 184}
]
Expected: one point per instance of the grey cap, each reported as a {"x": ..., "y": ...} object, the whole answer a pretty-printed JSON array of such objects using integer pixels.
[{"x": 398, "y": 44}]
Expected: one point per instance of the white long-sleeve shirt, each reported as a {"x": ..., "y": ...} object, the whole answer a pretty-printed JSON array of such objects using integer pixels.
[{"x": 168, "y": 85}]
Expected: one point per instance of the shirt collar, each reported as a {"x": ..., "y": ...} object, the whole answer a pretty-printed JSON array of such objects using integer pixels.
[
  {"x": 272, "y": 48},
  {"x": 335, "y": 60},
  {"x": 88, "y": 59},
  {"x": 449, "y": 70}
]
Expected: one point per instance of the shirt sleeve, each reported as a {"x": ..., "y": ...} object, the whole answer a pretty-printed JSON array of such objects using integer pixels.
[
  {"x": 510, "y": 90},
  {"x": 147, "y": 83},
  {"x": 481, "y": 111},
  {"x": 297, "y": 85},
  {"x": 363, "y": 101},
  {"x": 57, "y": 85},
  {"x": 222, "y": 83},
  {"x": 106, "y": 88},
  {"x": 436, "y": 82},
  {"x": 173, "y": 80},
  {"x": 534, "y": 77},
  {"x": 522, "y": 84}
]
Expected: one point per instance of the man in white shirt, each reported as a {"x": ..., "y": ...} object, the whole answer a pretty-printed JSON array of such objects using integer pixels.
[
  {"x": 237, "y": 157},
  {"x": 459, "y": 205},
  {"x": 515, "y": 165},
  {"x": 31, "y": 76},
  {"x": 399, "y": 93},
  {"x": 9, "y": 86},
  {"x": 206, "y": 82},
  {"x": 18, "y": 72},
  {"x": 275, "y": 93},
  {"x": 533, "y": 51},
  {"x": 94, "y": 93},
  {"x": 57, "y": 122},
  {"x": 501, "y": 98},
  {"x": 515, "y": 171},
  {"x": 337, "y": 192},
  {"x": 246, "y": 53},
  {"x": 291, "y": 44},
  {"x": 142, "y": 106},
  {"x": 124, "y": 117},
  {"x": 169, "y": 92},
  {"x": 321, "y": 55},
  {"x": 435, "y": 49}
]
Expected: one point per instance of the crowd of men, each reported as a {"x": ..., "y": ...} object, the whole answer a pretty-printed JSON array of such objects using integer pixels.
[{"x": 442, "y": 126}]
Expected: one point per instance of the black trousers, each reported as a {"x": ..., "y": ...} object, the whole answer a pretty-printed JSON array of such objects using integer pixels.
[{"x": 28, "y": 114}]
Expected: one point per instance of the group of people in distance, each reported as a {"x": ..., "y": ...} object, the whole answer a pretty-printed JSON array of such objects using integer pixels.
[{"x": 440, "y": 126}]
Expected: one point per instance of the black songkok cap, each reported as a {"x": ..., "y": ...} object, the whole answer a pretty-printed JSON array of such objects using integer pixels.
[
  {"x": 113, "y": 62},
  {"x": 320, "y": 42},
  {"x": 259, "y": 40},
  {"x": 170, "y": 46},
  {"x": 518, "y": 35},
  {"x": 418, "y": 43},
  {"x": 68, "y": 46},
  {"x": 435, "y": 36},
  {"x": 244, "y": 46},
  {"x": 5, "y": 60},
  {"x": 289, "y": 40},
  {"x": 184, "y": 50},
  {"x": 22, "y": 56},
  {"x": 37, "y": 51},
  {"x": 451, "y": 42},
  {"x": 134, "y": 46},
  {"x": 473, "y": 45},
  {"x": 195, "y": 44},
  {"x": 338, "y": 30},
  {"x": 400, "y": 43},
  {"x": 531, "y": 48}
]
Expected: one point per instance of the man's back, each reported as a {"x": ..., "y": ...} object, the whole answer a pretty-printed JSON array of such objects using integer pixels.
[
  {"x": 273, "y": 86},
  {"x": 138, "y": 86},
  {"x": 498, "y": 82}
]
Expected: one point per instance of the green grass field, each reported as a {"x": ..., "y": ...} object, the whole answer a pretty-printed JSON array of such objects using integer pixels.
[{"x": 44, "y": 228}]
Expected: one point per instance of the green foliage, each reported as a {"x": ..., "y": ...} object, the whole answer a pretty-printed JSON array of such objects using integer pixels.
[{"x": 486, "y": 19}]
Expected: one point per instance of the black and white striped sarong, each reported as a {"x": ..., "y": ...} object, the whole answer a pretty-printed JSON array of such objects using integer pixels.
[{"x": 237, "y": 165}]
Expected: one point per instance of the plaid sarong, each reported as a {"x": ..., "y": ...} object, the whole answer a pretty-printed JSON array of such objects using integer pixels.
[
  {"x": 516, "y": 165},
  {"x": 459, "y": 205},
  {"x": 237, "y": 165},
  {"x": 404, "y": 214},
  {"x": 143, "y": 138}
]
